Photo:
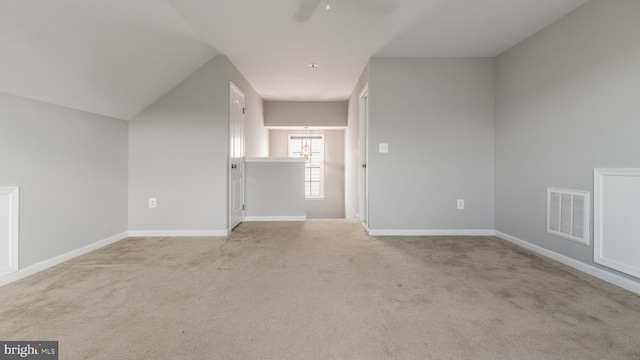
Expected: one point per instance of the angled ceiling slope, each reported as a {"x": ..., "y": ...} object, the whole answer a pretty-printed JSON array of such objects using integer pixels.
[
  {"x": 471, "y": 28},
  {"x": 112, "y": 58},
  {"x": 273, "y": 50},
  {"x": 116, "y": 57}
]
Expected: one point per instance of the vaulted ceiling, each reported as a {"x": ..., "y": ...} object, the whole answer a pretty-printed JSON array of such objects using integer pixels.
[{"x": 116, "y": 57}]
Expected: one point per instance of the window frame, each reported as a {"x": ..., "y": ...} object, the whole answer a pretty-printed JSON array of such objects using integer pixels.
[{"x": 295, "y": 153}]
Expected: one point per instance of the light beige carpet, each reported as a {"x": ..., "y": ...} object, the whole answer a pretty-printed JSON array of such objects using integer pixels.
[{"x": 320, "y": 290}]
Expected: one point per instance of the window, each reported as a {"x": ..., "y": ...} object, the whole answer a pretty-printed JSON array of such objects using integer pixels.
[{"x": 313, "y": 146}]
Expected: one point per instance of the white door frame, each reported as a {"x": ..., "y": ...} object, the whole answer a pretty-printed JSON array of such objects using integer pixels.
[
  {"x": 236, "y": 160},
  {"x": 363, "y": 152},
  {"x": 9, "y": 229}
]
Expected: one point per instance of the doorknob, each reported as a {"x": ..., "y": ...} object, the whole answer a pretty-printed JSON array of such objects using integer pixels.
[{"x": 364, "y": 166}]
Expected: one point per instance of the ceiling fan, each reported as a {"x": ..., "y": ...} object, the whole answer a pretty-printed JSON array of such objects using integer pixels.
[{"x": 307, "y": 7}]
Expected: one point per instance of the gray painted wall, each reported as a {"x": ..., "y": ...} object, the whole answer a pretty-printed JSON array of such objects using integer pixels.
[
  {"x": 567, "y": 101},
  {"x": 437, "y": 115},
  {"x": 256, "y": 135},
  {"x": 351, "y": 160},
  {"x": 305, "y": 113},
  {"x": 71, "y": 167},
  {"x": 179, "y": 149},
  {"x": 274, "y": 188},
  {"x": 332, "y": 206}
]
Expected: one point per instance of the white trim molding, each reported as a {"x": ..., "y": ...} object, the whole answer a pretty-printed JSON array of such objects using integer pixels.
[
  {"x": 13, "y": 235},
  {"x": 374, "y": 232},
  {"x": 273, "y": 159},
  {"x": 173, "y": 233},
  {"x": 276, "y": 218},
  {"x": 615, "y": 242},
  {"x": 43, "y": 265},
  {"x": 320, "y": 127},
  {"x": 586, "y": 268}
]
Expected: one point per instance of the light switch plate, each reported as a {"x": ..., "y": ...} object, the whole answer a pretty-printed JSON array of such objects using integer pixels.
[{"x": 384, "y": 148}]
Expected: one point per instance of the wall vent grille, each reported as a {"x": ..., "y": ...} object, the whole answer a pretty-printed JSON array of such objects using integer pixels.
[{"x": 568, "y": 214}]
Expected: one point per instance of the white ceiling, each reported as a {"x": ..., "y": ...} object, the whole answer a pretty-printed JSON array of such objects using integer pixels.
[{"x": 116, "y": 57}]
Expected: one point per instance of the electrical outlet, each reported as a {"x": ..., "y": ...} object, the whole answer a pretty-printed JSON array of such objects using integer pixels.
[
  {"x": 460, "y": 204},
  {"x": 384, "y": 148},
  {"x": 152, "y": 203}
]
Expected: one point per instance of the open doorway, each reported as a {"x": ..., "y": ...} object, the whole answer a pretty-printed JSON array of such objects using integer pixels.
[
  {"x": 324, "y": 180},
  {"x": 236, "y": 156},
  {"x": 363, "y": 150}
]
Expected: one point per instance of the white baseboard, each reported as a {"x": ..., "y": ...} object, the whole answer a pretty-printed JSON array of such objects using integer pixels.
[
  {"x": 30, "y": 270},
  {"x": 275, "y": 218},
  {"x": 374, "y": 232},
  {"x": 586, "y": 268},
  {"x": 170, "y": 233}
]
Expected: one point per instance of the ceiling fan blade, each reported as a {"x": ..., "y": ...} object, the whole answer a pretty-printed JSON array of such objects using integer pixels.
[
  {"x": 306, "y": 9},
  {"x": 385, "y": 6}
]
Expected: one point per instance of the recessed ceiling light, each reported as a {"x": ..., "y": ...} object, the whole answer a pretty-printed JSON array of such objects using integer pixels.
[{"x": 313, "y": 65}]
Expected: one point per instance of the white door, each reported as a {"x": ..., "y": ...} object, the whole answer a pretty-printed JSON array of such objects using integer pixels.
[
  {"x": 236, "y": 156},
  {"x": 363, "y": 149}
]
